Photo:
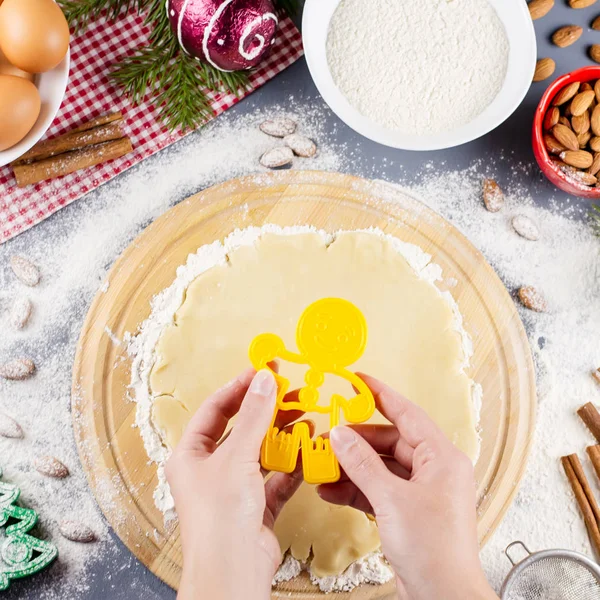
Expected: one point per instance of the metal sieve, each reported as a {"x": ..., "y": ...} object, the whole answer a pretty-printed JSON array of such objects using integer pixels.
[{"x": 551, "y": 575}]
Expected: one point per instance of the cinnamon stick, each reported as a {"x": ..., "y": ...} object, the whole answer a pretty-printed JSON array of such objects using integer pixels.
[
  {"x": 594, "y": 454},
  {"x": 69, "y": 162},
  {"x": 591, "y": 417},
  {"x": 101, "y": 120},
  {"x": 71, "y": 141},
  {"x": 574, "y": 472}
]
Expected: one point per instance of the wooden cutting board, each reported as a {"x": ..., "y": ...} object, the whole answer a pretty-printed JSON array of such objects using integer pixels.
[{"x": 111, "y": 449}]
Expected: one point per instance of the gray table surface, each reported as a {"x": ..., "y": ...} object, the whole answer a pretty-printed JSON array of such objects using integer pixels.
[{"x": 134, "y": 581}]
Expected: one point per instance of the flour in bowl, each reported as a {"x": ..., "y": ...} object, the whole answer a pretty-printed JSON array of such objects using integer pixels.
[{"x": 421, "y": 67}]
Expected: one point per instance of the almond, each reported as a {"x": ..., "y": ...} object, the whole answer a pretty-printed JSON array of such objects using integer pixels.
[
  {"x": 581, "y": 3},
  {"x": 595, "y": 53},
  {"x": 579, "y": 159},
  {"x": 9, "y": 428},
  {"x": 596, "y": 373},
  {"x": 51, "y": 467},
  {"x": 580, "y": 177},
  {"x": 596, "y": 23},
  {"x": 581, "y": 123},
  {"x": 584, "y": 138},
  {"x": 595, "y": 166},
  {"x": 526, "y": 228},
  {"x": 20, "y": 312},
  {"x": 544, "y": 68},
  {"x": 597, "y": 88},
  {"x": 278, "y": 127},
  {"x": 585, "y": 86},
  {"x": 553, "y": 145},
  {"x": 532, "y": 299},
  {"x": 595, "y": 121},
  {"x": 564, "y": 121},
  {"x": 567, "y": 35},
  {"x": 301, "y": 145},
  {"x": 566, "y": 137},
  {"x": 581, "y": 102},
  {"x": 566, "y": 93},
  {"x": 18, "y": 369},
  {"x": 25, "y": 270},
  {"x": 277, "y": 157},
  {"x": 76, "y": 532},
  {"x": 493, "y": 197},
  {"x": 551, "y": 118},
  {"x": 595, "y": 144},
  {"x": 540, "y": 8}
]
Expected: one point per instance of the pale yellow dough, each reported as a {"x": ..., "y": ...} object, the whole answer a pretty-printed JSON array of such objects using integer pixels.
[{"x": 413, "y": 345}]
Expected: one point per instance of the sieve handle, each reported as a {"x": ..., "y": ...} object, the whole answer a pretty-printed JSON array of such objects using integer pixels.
[{"x": 511, "y": 546}]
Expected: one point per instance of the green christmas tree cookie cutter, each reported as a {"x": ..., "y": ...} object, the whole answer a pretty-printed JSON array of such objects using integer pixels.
[{"x": 21, "y": 555}]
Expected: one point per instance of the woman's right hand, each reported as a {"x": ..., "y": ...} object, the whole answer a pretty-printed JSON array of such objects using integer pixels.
[{"x": 421, "y": 489}]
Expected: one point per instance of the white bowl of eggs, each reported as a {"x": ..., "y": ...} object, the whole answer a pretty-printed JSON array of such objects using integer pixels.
[{"x": 34, "y": 70}]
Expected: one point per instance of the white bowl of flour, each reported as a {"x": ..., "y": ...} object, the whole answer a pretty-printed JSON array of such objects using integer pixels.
[{"x": 420, "y": 75}]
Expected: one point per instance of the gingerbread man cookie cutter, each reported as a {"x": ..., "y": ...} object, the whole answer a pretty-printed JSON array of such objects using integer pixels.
[{"x": 331, "y": 335}]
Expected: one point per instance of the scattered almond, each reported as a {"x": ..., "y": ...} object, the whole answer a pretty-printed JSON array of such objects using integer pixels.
[
  {"x": 540, "y": 8},
  {"x": 301, "y": 145},
  {"x": 9, "y": 428},
  {"x": 596, "y": 373},
  {"x": 493, "y": 197},
  {"x": 567, "y": 35},
  {"x": 51, "y": 467},
  {"x": 553, "y": 145},
  {"x": 579, "y": 159},
  {"x": 581, "y": 3},
  {"x": 595, "y": 53},
  {"x": 278, "y": 127},
  {"x": 526, "y": 228},
  {"x": 565, "y": 136},
  {"x": 581, "y": 123},
  {"x": 581, "y": 102},
  {"x": 551, "y": 118},
  {"x": 76, "y": 532},
  {"x": 566, "y": 93},
  {"x": 595, "y": 166},
  {"x": 277, "y": 157},
  {"x": 596, "y": 23},
  {"x": 25, "y": 270},
  {"x": 20, "y": 312},
  {"x": 584, "y": 138},
  {"x": 18, "y": 369},
  {"x": 532, "y": 299},
  {"x": 544, "y": 68}
]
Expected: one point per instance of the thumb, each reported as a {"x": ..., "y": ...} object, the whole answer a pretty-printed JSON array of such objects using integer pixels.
[
  {"x": 255, "y": 416},
  {"x": 362, "y": 464}
]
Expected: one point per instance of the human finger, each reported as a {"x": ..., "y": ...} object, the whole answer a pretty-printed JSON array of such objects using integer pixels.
[
  {"x": 285, "y": 417},
  {"x": 279, "y": 489},
  {"x": 392, "y": 465}
]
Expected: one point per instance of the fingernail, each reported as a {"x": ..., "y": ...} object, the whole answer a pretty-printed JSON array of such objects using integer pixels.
[
  {"x": 342, "y": 438},
  {"x": 263, "y": 383}
]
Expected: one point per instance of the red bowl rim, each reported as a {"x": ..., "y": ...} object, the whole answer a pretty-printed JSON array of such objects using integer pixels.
[{"x": 542, "y": 156}]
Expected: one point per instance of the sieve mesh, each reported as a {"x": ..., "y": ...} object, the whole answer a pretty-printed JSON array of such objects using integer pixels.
[{"x": 553, "y": 578}]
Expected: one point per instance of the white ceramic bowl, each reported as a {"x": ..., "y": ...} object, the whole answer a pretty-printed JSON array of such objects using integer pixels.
[
  {"x": 521, "y": 66},
  {"x": 52, "y": 86}
]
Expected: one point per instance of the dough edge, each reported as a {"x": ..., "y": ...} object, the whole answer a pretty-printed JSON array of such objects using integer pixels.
[{"x": 141, "y": 349}]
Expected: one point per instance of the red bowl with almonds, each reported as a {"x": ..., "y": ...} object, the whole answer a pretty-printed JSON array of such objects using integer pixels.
[{"x": 566, "y": 177}]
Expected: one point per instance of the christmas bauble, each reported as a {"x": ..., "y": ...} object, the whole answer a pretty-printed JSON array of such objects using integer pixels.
[{"x": 230, "y": 35}]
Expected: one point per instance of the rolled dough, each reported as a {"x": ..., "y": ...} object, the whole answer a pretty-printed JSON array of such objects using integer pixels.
[{"x": 415, "y": 344}]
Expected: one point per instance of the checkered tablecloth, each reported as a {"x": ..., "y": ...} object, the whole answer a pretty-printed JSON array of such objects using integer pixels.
[{"x": 90, "y": 94}]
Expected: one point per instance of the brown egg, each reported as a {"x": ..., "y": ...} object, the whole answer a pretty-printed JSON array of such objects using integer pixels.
[
  {"x": 6, "y": 68},
  {"x": 34, "y": 34},
  {"x": 19, "y": 109}
]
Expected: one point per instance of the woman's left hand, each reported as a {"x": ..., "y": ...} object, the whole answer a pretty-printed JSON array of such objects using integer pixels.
[{"x": 225, "y": 507}]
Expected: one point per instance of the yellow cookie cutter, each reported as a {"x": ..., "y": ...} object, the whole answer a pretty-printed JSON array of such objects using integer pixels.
[{"x": 331, "y": 335}]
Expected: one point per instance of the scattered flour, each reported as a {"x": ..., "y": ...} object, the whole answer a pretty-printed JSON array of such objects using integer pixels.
[
  {"x": 77, "y": 246},
  {"x": 418, "y": 67}
]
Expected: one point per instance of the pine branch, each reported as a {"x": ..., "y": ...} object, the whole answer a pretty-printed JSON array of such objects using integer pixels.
[{"x": 80, "y": 12}]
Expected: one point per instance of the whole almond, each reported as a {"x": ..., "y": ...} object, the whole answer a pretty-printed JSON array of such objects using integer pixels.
[
  {"x": 581, "y": 3},
  {"x": 567, "y": 35},
  {"x": 596, "y": 23},
  {"x": 595, "y": 121},
  {"x": 564, "y": 121},
  {"x": 595, "y": 53},
  {"x": 18, "y": 369},
  {"x": 526, "y": 228},
  {"x": 301, "y": 145},
  {"x": 581, "y": 123},
  {"x": 532, "y": 299},
  {"x": 493, "y": 197},
  {"x": 51, "y": 467},
  {"x": 553, "y": 145},
  {"x": 277, "y": 157},
  {"x": 595, "y": 144},
  {"x": 565, "y": 136},
  {"x": 76, "y": 532},
  {"x": 551, "y": 118},
  {"x": 9, "y": 428},
  {"x": 20, "y": 312},
  {"x": 278, "y": 127},
  {"x": 585, "y": 86},
  {"x": 25, "y": 270},
  {"x": 596, "y": 373},
  {"x": 581, "y": 102},
  {"x": 540, "y": 8},
  {"x": 595, "y": 166},
  {"x": 566, "y": 93},
  {"x": 597, "y": 88},
  {"x": 544, "y": 68},
  {"x": 580, "y": 177},
  {"x": 584, "y": 138},
  {"x": 580, "y": 159}
]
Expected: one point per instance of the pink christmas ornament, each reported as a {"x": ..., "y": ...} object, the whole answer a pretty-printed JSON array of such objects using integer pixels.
[{"x": 231, "y": 35}]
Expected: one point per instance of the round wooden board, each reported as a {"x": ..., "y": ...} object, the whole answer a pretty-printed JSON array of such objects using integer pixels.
[{"x": 111, "y": 449}]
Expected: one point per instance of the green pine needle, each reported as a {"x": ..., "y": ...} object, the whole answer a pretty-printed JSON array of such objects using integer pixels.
[{"x": 176, "y": 82}]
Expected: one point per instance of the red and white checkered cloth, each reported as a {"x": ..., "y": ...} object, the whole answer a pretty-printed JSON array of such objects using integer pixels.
[{"x": 90, "y": 94}]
